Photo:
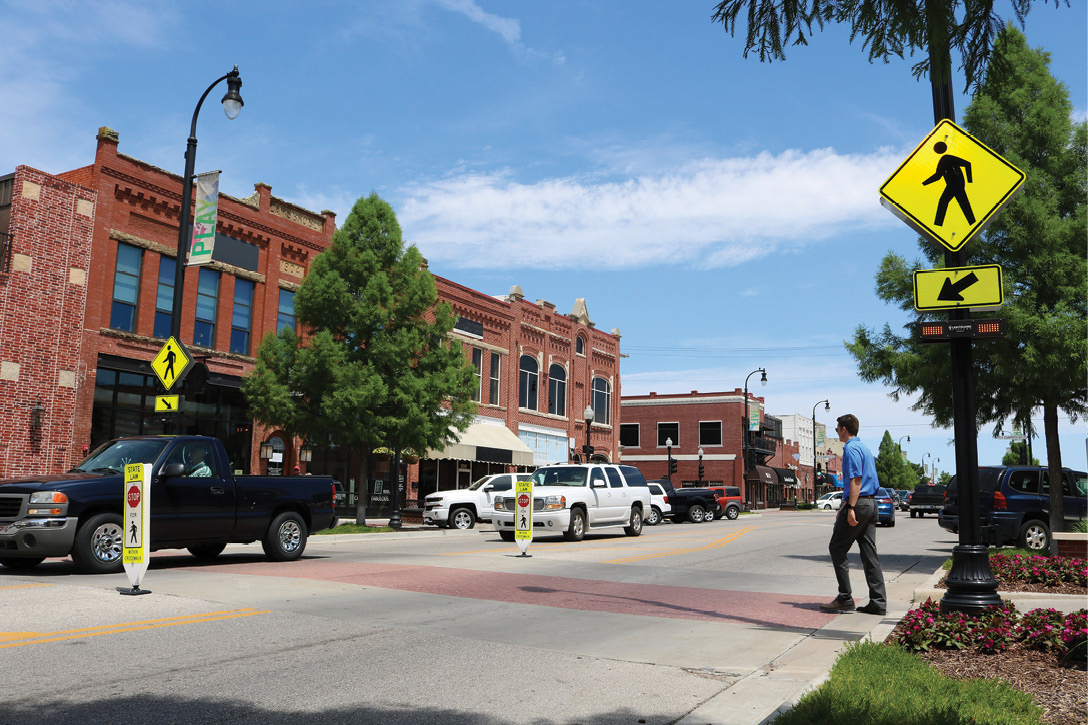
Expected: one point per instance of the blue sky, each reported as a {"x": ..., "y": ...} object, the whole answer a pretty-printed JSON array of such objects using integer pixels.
[{"x": 721, "y": 213}]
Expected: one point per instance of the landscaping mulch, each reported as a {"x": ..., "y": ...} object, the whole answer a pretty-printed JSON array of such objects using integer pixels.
[{"x": 1061, "y": 692}]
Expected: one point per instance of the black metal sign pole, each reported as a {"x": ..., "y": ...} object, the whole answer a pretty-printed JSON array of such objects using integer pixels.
[{"x": 971, "y": 585}]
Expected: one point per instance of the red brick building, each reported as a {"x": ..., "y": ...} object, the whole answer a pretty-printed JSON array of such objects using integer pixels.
[
  {"x": 87, "y": 262},
  {"x": 85, "y": 304},
  {"x": 713, "y": 423}
]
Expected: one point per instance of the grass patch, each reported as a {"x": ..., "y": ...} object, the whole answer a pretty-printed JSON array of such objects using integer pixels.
[
  {"x": 887, "y": 685},
  {"x": 353, "y": 529}
]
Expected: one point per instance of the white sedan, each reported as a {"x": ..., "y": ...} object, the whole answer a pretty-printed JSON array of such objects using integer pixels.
[{"x": 830, "y": 501}]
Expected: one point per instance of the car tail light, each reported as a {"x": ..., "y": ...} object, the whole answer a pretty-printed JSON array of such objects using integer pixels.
[
  {"x": 666, "y": 498},
  {"x": 1000, "y": 502}
]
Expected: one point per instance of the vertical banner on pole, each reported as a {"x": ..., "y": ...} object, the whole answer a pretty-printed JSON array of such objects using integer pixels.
[
  {"x": 204, "y": 218},
  {"x": 753, "y": 418},
  {"x": 137, "y": 525},
  {"x": 523, "y": 516}
]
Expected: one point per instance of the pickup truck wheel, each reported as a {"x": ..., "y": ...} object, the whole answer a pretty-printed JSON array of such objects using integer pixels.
[
  {"x": 655, "y": 516},
  {"x": 99, "y": 545},
  {"x": 286, "y": 537},
  {"x": 207, "y": 551},
  {"x": 21, "y": 564},
  {"x": 696, "y": 514},
  {"x": 1034, "y": 535},
  {"x": 913, "y": 514},
  {"x": 462, "y": 518},
  {"x": 576, "y": 531},
  {"x": 732, "y": 512},
  {"x": 635, "y": 527},
  {"x": 709, "y": 516},
  {"x": 506, "y": 535}
]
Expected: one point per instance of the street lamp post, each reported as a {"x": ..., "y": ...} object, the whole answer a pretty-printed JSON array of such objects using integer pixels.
[
  {"x": 587, "y": 449},
  {"x": 744, "y": 426},
  {"x": 815, "y": 478},
  {"x": 232, "y": 106},
  {"x": 668, "y": 450},
  {"x": 700, "y": 467},
  {"x": 934, "y": 476},
  {"x": 924, "y": 469}
]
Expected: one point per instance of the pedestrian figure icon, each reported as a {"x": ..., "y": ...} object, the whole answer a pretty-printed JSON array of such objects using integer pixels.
[
  {"x": 948, "y": 168},
  {"x": 171, "y": 356},
  {"x": 132, "y": 536}
]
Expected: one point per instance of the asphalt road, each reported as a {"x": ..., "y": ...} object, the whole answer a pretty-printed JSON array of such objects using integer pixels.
[{"x": 686, "y": 621}]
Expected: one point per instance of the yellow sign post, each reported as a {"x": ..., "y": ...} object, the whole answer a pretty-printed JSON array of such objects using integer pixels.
[
  {"x": 523, "y": 515},
  {"x": 951, "y": 186},
  {"x": 958, "y": 287},
  {"x": 171, "y": 364},
  {"x": 137, "y": 525}
]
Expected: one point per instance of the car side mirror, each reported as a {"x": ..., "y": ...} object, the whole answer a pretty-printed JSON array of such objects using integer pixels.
[
  {"x": 598, "y": 484},
  {"x": 172, "y": 470},
  {"x": 489, "y": 488}
]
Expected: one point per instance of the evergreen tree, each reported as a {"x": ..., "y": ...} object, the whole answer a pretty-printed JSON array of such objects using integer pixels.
[
  {"x": 1024, "y": 114},
  {"x": 890, "y": 469},
  {"x": 377, "y": 367}
]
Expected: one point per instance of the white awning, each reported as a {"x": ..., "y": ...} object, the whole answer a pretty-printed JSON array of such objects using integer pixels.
[{"x": 489, "y": 443}]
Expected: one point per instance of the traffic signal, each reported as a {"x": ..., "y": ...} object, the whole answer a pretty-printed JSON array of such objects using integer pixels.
[
  {"x": 700, "y": 469},
  {"x": 672, "y": 466}
]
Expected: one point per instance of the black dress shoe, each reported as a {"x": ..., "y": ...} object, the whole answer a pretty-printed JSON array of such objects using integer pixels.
[
  {"x": 871, "y": 608},
  {"x": 838, "y": 604}
]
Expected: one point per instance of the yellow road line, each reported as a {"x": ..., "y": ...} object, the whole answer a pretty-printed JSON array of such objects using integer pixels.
[
  {"x": 39, "y": 637},
  {"x": 713, "y": 545},
  {"x": 34, "y": 585}
]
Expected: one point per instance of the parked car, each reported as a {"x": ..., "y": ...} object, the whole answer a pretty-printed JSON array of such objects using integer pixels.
[
  {"x": 689, "y": 504},
  {"x": 885, "y": 507},
  {"x": 571, "y": 499},
  {"x": 1014, "y": 504},
  {"x": 830, "y": 501},
  {"x": 926, "y": 499},
  {"x": 196, "y": 504},
  {"x": 461, "y": 508},
  {"x": 730, "y": 503},
  {"x": 904, "y": 499},
  {"x": 660, "y": 508}
]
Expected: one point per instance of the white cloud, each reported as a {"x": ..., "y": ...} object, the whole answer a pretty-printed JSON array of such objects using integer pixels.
[
  {"x": 716, "y": 212},
  {"x": 508, "y": 29}
]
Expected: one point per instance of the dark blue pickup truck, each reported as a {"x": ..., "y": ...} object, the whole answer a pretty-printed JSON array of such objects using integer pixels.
[{"x": 197, "y": 503}]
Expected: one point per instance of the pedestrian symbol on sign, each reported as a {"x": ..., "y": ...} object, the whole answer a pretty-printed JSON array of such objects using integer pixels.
[{"x": 948, "y": 168}]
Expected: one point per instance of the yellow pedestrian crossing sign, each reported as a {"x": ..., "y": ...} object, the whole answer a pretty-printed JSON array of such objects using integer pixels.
[
  {"x": 958, "y": 288},
  {"x": 171, "y": 364},
  {"x": 951, "y": 186}
]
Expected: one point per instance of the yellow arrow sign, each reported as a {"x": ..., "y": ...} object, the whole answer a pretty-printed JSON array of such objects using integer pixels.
[
  {"x": 951, "y": 187},
  {"x": 958, "y": 287},
  {"x": 172, "y": 363},
  {"x": 167, "y": 403}
]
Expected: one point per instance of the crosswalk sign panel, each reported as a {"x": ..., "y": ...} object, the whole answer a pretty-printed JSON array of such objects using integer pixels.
[
  {"x": 171, "y": 363},
  {"x": 951, "y": 186}
]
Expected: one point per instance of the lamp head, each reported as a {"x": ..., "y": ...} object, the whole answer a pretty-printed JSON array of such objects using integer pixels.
[
  {"x": 763, "y": 380},
  {"x": 827, "y": 405},
  {"x": 232, "y": 101},
  {"x": 668, "y": 442},
  {"x": 588, "y": 413}
]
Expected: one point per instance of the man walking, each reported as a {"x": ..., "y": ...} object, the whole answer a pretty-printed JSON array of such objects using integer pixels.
[{"x": 856, "y": 521}]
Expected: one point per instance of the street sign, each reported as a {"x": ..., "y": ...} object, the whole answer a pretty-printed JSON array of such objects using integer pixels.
[
  {"x": 523, "y": 515},
  {"x": 167, "y": 403},
  {"x": 172, "y": 363},
  {"x": 945, "y": 330},
  {"x": 136, "y": 523},
  {"x": 958, "y": 287},
  {"x": 951, "y": 186}
]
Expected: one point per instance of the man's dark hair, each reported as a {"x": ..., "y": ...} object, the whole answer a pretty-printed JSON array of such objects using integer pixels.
[{"x": 850, "y": 423}]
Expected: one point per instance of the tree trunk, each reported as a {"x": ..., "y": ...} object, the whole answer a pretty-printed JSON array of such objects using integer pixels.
[{"x": 1054, "y": 468}]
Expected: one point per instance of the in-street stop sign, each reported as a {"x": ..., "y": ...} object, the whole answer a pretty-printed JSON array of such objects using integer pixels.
[{"x": 951, "y": 186}]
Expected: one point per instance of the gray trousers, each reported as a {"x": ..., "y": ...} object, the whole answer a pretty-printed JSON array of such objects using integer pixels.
[{"x": 843, "y": 537}]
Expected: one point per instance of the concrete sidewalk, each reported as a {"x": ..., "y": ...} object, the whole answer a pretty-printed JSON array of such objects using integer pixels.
[{"x": 762, "y": 696}]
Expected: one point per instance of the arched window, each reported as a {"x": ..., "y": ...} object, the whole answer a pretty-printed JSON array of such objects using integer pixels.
[
  {"x": 602, "y": 401},
  {"x": 557, "y": 390},
  {"x": 580, "y": 345},
  {"x": 527, "y": 390}
]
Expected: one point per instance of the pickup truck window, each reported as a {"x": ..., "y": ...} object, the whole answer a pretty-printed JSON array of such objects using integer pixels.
[
  {"x": 197, "y": 458},
  {"x": 112, "y": 457},
  {"x": 563, "y": 476}
]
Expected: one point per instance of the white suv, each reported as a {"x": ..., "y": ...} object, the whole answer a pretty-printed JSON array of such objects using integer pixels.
[
  {"x": 571, "y": 498},
  {"x": 462, "y": 508}
]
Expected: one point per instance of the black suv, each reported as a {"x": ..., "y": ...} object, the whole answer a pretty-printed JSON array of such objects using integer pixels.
[{"x": 1014, "y": 502}]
